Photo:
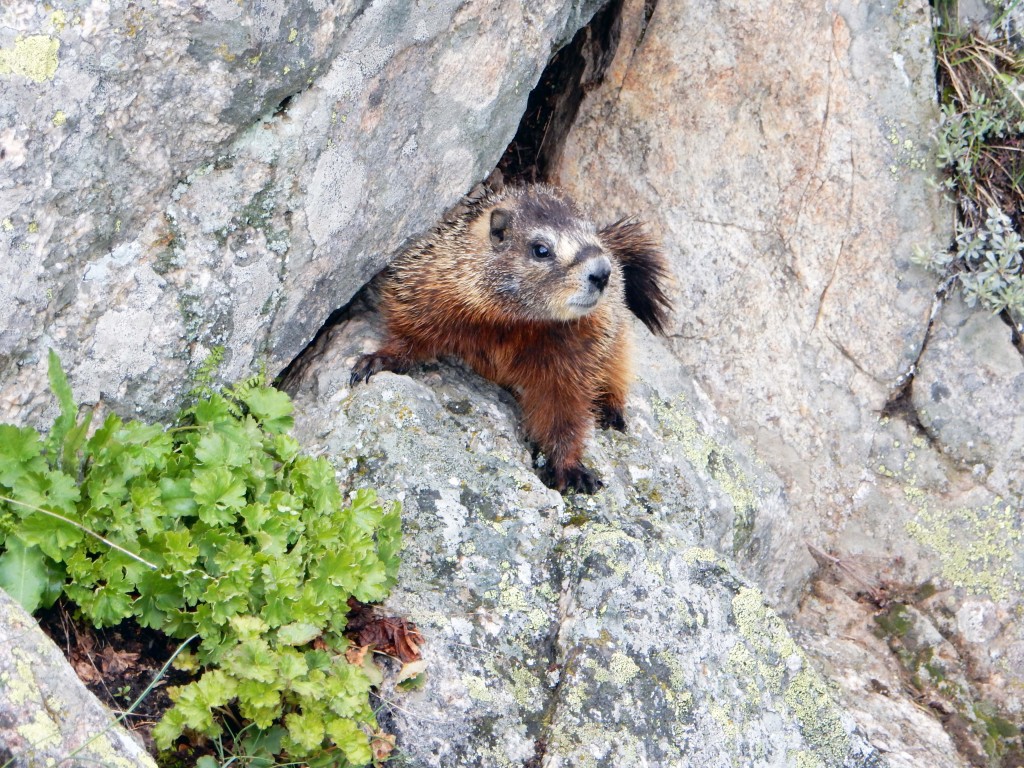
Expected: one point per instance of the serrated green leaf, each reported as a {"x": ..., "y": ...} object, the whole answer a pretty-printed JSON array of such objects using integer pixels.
[
  {"x": 107, "y": 604},
  {"x": 259, "y": 702},
  {"x": 286, "y": 448},
  {"x": 170, "y": 727},
  {"x": 62, "y": 494},
  {"x": 389, "y": 542},
  {"x": 350, "y": 739},
  {"x": 248, "y": 627},
  {"x": 305, "y": 730},
  {"x": 20, "y": 453},
  {"x": 374, "y": 584},
  {"x": 176, "y": 495},
  {"x": 298, "y": 633},
  {"x": 253, "y": 660},
  {"x": 226, "y": 598},
  {"x": 102, "y": 437},
  {"x": 314, "y": 481},
  {"x": 347, "y": 689},
  {"x": 291, "y": 665},
  {"x": 219, "y": 449},
  {"x": 218, "y": 493},
  {"x": 271, "y": 407},
  {"x": 196, "y": 701},
  {"x": 159, "y": 598},
  {"x": 107, "y": 489},
  {"x": 56, "y": 538},
  {"x": 213, "y": 410},
  {"x": 177, "y": 549}
]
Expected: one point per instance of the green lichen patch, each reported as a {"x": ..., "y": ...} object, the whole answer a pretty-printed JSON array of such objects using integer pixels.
[
  {"x": 716, "y": 461},
  {"x": 979, "y": 549},
  {"x": 34, "y": 57},
  {"x": 783, "y": 668},
  {"x": 906, "y": 153},
  {"x": 809, "y": 697}
]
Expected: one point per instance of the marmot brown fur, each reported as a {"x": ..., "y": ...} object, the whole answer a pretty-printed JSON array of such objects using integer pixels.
[{"x": 534, "y": 297}]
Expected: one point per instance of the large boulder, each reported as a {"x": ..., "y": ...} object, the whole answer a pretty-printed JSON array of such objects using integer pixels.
[
  {"x": 787, "y": 175},
  {"x": 608, "y": 630},
  {"x": 176, "y": 179}
]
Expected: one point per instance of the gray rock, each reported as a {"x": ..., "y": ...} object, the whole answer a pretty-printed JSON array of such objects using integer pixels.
[
  {"x": 47, "y": 716},
  {"x": 586, "y": 631},
  {"x": 789, "y": 184},
  {"x": 968, "y": 392},
  {"x": 174, "y": 179},
  {"x": 870, "y": 681},
  {"x": 789, "y": 178}
]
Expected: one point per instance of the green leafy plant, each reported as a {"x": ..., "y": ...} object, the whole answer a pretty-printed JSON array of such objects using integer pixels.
[
  {"x": 981, "y": 147},
  {"x": 218, "y": 527}
]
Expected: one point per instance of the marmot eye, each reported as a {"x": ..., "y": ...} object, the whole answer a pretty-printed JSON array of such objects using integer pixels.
[{"x": 541, "y": 251}]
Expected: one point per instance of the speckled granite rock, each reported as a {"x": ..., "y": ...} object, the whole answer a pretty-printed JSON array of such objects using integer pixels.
[
  {"x": 47, "y": 716},
  {"x": 589, "y": 631},
  {"x": 790, "y": 183}
]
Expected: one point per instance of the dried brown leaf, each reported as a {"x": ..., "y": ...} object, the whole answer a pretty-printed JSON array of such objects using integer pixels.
[{"x": 382, "y": 744}]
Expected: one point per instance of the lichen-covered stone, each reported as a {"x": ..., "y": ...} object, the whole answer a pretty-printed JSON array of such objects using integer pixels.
[
  {"x": 581, "y": 631},
  {"x": 47, "y": 716},
  {"x": 176, "y": 178}
]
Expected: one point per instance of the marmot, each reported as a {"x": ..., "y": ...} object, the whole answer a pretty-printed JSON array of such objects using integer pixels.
[{"x": 533, "y": 296}]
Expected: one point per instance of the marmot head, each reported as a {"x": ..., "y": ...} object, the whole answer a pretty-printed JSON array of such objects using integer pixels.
[{"x": 545, "y": 260}]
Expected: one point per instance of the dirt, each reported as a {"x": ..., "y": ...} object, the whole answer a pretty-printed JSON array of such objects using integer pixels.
[{"x": 118, "y": 664}]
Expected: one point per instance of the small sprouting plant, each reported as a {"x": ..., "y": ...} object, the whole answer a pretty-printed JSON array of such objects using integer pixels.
[
  {"x": 218, "y": 527},
  {"x": 981, "y": 147}
]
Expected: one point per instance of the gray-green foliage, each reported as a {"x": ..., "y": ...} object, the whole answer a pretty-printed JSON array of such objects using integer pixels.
[
  {"x": 981, "y": 148},
  {"x": 992, "y": 254}
]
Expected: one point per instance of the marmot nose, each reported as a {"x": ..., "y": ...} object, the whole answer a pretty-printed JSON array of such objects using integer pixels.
[{"x": 599, "y": 273}]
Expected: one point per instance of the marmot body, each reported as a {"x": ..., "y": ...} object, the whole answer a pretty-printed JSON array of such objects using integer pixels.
[{"x": 534, "y": 297}]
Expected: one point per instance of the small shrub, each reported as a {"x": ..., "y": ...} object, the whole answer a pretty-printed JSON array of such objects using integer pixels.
[{"x": 220, "y": 528}]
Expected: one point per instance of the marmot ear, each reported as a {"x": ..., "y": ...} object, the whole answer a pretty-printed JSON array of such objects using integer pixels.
[{"x": 499, "y": 223}]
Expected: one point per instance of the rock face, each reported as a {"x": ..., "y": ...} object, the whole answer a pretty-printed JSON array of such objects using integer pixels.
[
  {"x": 790, "y": 183},
  {"x": 47, "y": 716},
  {"x": 176, "y": 178},
  {"x": 593, "y": 631}
]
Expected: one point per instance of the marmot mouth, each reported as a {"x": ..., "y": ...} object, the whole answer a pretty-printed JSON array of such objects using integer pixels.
[{"x": 584, "y": 304}]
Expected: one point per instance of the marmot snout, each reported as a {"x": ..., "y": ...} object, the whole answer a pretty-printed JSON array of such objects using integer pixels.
[{"x": 533, "y": 296}]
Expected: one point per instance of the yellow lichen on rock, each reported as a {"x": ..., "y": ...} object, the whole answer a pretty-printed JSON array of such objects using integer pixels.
[
  {"x": 976, "y": 547},
  {"x": 34, "y": 57}
]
